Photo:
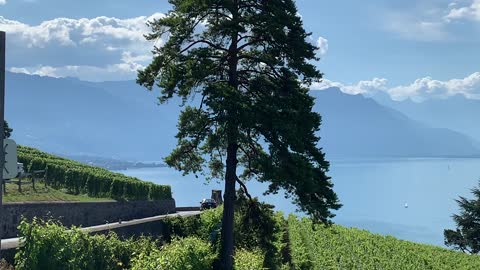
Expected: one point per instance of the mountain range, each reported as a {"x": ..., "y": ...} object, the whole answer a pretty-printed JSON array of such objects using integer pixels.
[
  {"x": 123, "y": 120},
  {"x": 457, "y": 112}
]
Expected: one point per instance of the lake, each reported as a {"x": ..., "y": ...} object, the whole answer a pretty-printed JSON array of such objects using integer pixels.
[{"x": 373, "y": 192}]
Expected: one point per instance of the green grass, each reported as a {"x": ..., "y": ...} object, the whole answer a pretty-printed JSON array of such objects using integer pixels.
[{"x": 42, "y": 194}]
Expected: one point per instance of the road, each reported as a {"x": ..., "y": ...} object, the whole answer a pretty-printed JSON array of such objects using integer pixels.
[{"x": 15, "y": 242}]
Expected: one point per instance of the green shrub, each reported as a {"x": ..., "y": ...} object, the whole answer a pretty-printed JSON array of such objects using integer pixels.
[
  {"x": 249, "y": 260},
  {"x": 256, "y": 227},
  {"x": 188, "y": 253},
  {"x": 48, "y": 245},
  {"x": 211, "y": 224}
]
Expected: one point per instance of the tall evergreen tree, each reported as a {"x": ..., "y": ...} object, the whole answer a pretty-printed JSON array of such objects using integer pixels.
[
  {"x": 467, "y": 235},
  {"x": 250, "y": 62}
]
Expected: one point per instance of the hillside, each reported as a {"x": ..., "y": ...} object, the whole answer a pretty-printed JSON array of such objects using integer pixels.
[
  {"x": 67, "y": 116},
  {"x": 77, "y": 178},
  {"x": 122, "y": 120},
  {"x": 42, "y": 193}
]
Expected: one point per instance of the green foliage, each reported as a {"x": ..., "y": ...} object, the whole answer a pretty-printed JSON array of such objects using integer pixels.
[
  {"x": 466, "y": 236},
  {"x": 257, "y": 228},
  {"x": 249, "y": 260},
  {"x": 211, "y": 221},
  {"x": 7, "y": 131},
  {"x": 206, "y": 226},
  {"x": 181, "y": 254},
  {"x": 79, "y": 178},
  {"x": 45, "y": 193},
  {"x": 48, "y": 245},
  {"x": 250, "y": 61},
  {"x": 315, "y": 246}
]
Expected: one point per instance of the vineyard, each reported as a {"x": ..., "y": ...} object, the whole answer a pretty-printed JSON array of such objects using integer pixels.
[
  {"x": 79, "y": 178},
  {"x": 336, "y": 247},
  {"x": 268, "y": 241}
]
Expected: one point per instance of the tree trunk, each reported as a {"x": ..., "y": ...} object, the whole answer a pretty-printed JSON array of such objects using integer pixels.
[
  {"x": 229, "y": 208},
  {"x": 226, "y": 255}
]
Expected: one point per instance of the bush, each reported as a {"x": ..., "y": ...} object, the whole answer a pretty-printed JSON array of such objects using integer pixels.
[
  {"x": 211, "y": 224},
  {"x": 248, "y": 260},
  {"x": 188, "y": 253},
  {"x": 256, "y": 227},
  {"x": 49, "y": 245}
]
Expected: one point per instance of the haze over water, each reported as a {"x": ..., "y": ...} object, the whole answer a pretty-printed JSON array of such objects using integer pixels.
[{"x": 374, "y": 193}]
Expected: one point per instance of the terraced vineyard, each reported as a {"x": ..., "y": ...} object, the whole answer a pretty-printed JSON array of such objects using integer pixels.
[
  {"x": 79, "y": 178},
  {"x": 318, "y": 247}
]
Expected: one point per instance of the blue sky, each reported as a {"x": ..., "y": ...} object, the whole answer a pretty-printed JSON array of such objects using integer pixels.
[{"x": 418, "y": 49}]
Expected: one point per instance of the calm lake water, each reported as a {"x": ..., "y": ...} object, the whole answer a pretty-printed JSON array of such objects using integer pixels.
[{"x": 374, "y": 193}]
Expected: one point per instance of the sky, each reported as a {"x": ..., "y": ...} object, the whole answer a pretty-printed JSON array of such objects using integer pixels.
[{"x": 418, "y": 49}]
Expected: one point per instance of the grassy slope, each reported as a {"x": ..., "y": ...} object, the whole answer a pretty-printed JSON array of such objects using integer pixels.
[
  {"x": 43, "y": 193},
  {"x": 94, "y": 181}
]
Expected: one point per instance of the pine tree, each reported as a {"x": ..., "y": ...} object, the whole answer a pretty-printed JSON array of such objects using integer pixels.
[
  {"x": 466, "y": 236},
  {"x": 250, "y": 62}
]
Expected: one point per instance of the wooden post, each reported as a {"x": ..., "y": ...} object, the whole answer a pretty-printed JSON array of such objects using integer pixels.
[
  {"x": 45, "y": 177},
  {"x": 20, "y": 184},
  {"x": 33, "y": 181}
]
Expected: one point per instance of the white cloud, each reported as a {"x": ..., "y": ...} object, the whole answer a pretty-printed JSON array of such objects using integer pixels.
[
  {"x": 427, "y": 87},
  {"x": 362, "y": 87},
  {"x": 470, "y": 12},
  {"x": 125, "y": 70},
  {"x": 322, "y": 44},
  {"x": 421, "y": 89},
  {"x": 3, "y": 2},
  {"x": 72, "y": 32},
  {"x": 88, "y": 73},
  {"x": 83, "y": 48}
]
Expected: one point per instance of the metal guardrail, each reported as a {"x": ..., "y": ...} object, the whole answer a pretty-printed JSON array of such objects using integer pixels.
[{"x": 13, "y": 243}]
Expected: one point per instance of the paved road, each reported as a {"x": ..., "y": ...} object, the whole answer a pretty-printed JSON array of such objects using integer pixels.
[{"x": 15, "y": 242}]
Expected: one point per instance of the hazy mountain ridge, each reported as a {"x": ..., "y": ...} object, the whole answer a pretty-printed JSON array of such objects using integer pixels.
[
  {"x": 77, "y": 118},
  {"x": 122, "y": 120},
  {"x": 457, "y": 113},
  {"x": 359, "y": 126}
]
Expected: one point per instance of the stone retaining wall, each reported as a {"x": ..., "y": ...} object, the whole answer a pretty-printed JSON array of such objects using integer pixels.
[{"x": 81, "y": 213}]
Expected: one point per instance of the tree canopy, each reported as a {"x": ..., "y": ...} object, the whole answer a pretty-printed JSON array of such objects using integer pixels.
[
  {"x": 249, "y": 62},
  {"x": 466, "y": 236}
]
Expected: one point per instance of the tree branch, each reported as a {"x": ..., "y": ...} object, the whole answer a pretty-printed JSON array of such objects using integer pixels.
[
  {"x": 211, "y": 44},
  {"x": 259, "y": 60},
  {"x": 250, "y": 43},
  {"x": 242, "y": 185}
]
